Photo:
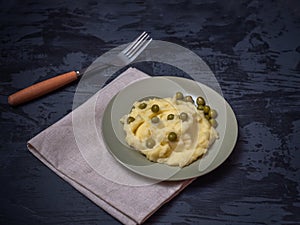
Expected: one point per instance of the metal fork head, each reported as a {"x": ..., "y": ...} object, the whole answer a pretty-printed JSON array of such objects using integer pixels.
[{"x": 135, "y": 48}]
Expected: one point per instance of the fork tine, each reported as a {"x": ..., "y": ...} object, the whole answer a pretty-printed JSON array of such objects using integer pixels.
[
  {"x": 137, "y": 44},
  {"x": 137, "y": 51},
  {"x": 134, "y": 42}
]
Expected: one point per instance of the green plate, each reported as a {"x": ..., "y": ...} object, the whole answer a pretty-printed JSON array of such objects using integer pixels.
[{"x": 114, "y": 136}]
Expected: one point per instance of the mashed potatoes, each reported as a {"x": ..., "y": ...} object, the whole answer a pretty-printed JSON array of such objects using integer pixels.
[{"x": 169, "y": 130}]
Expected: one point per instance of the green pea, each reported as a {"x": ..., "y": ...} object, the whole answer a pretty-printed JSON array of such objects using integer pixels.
[
  {"x": 130, "y": 119},
  {"x": 170, "y": 117},
  {"x": 207, "y": 116},
  {"x": 200, "y": 101},
  {"x": 183, "y": 116},
  {"x": 142, "y": 105},
  {"x": 155, "y": 119},
  {"x": 150, "y": 143},
  {"x": 200, "y": 107},
  {"x": 155, "y": 108},
  {"x": 179, "y": 96},
  {"x": 206, "y": 109},
  {"x": 189, "y": 99},
  {"x": 213, "y": 113},
  {"x": 172, "y": 136},
  {"x": 213, "y": 122}
]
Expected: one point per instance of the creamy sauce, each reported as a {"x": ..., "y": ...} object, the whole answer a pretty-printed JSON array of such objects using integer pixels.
[{"x": 194, "y": 135}]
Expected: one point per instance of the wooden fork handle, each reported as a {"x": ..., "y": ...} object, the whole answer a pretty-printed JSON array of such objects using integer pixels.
[{"x": 41, "y": 88}]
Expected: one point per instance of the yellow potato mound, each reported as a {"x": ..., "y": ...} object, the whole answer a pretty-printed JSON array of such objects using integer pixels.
[{"x": 150, "y": 135}]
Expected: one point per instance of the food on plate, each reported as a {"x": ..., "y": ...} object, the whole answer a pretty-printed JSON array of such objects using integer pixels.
[{"x": 175, "y": 131}]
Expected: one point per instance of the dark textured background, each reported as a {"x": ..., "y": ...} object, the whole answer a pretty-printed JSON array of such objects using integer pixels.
[{"x": 253, "y": 47}]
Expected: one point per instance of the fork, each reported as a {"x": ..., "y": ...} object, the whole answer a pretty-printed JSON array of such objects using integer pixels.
[{"x": 125, "y": 57}]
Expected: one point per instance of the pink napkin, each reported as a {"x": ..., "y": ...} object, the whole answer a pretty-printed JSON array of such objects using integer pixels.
[{"x": 128, "y": 197}]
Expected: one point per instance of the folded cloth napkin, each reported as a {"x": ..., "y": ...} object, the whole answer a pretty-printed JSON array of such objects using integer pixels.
[{"x": 110, "y": 189}]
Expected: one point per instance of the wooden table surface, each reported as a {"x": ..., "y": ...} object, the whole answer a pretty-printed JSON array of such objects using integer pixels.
[{"x": 252, "y": 47}]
